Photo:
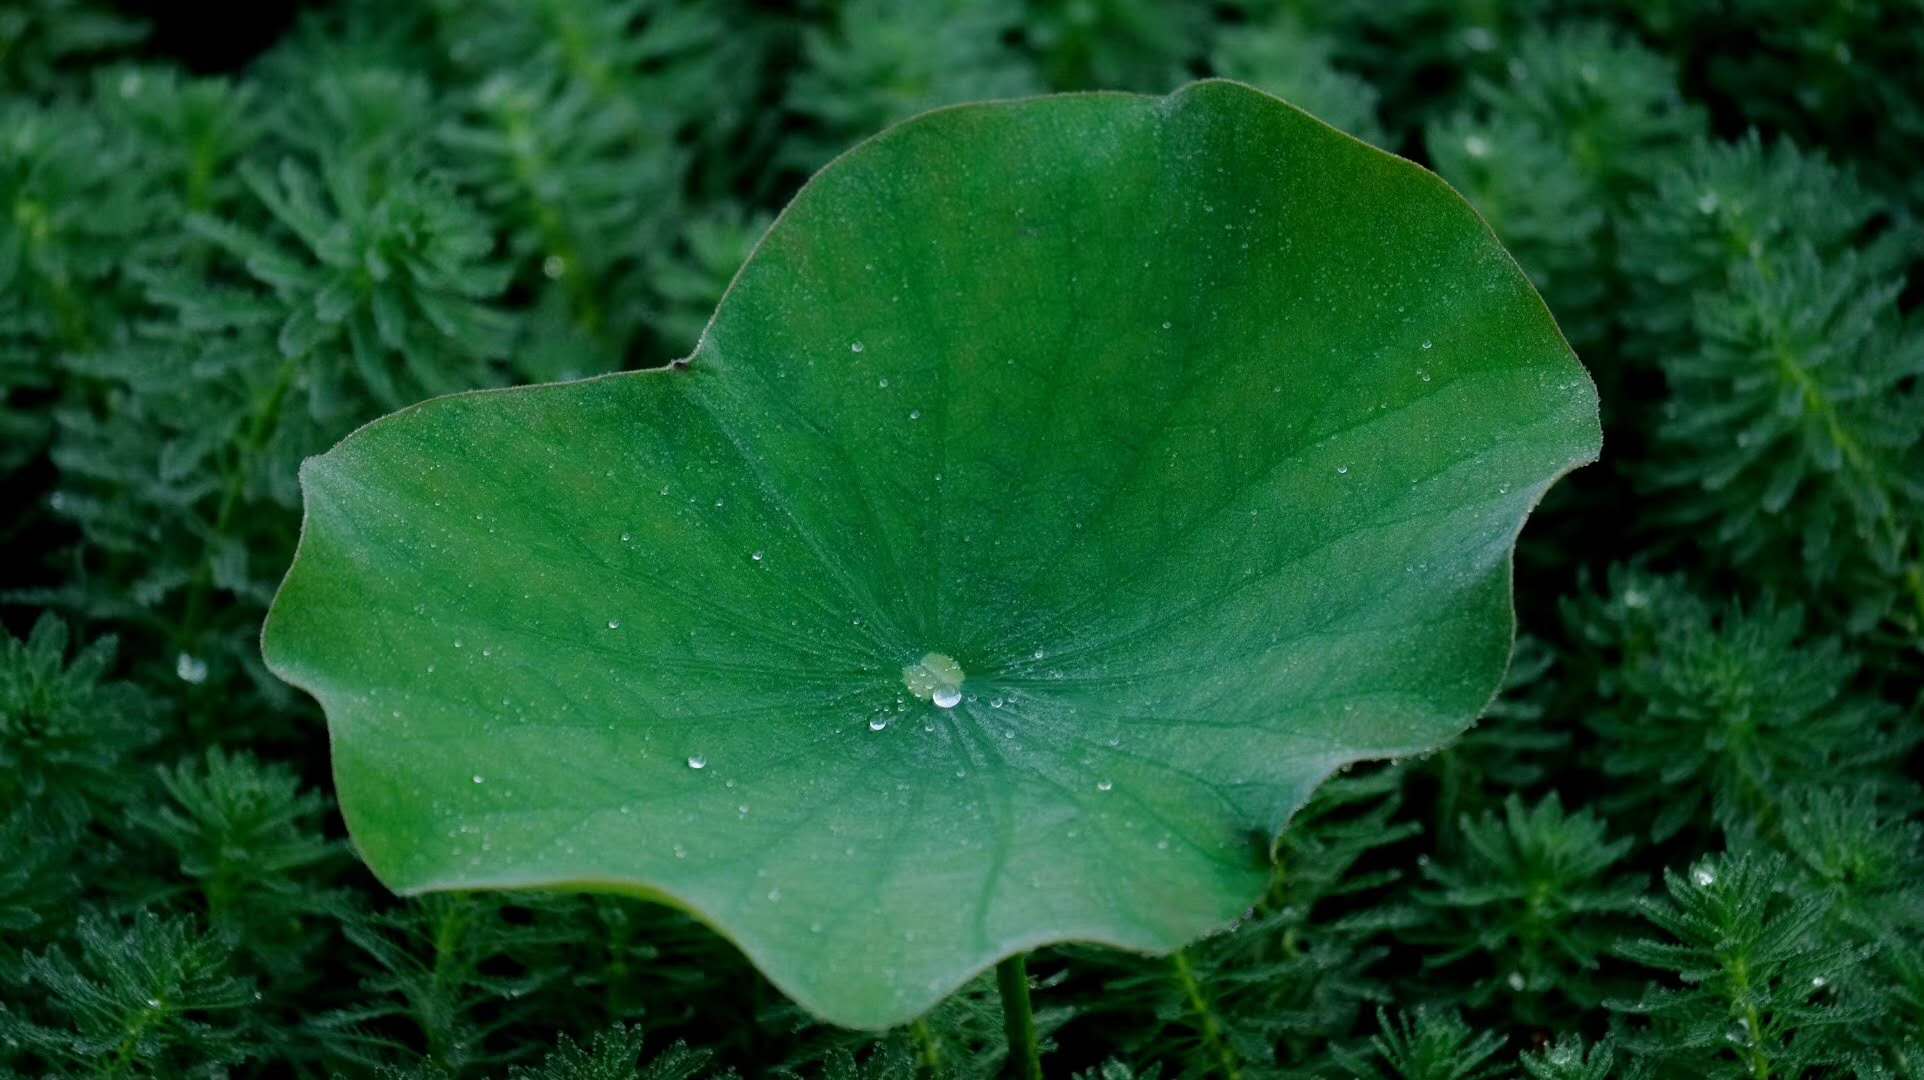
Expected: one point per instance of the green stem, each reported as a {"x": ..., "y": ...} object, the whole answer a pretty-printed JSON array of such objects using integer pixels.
[
  {"x": 926, "y": 1046},
  {"x": 261, "y": 425},
  {"x": 1910, "y": 572},
  {"x": 1753, "y": 1050},
  {"x": 1018, "y": 1019},
  {"x": 1212, "y": 1032}
]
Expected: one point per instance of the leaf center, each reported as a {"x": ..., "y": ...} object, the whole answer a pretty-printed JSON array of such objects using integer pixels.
[{"x": 935, "y": 678}]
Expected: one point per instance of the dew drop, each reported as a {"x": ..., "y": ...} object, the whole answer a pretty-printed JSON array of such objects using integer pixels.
[
  {"x": 936, "y": 678},
  {"x": 1703, "y": 876},
  {"x": 1342, "y": 470},
  {"x": 915, "y": 414},
  {"x": 477, "y": 778},
  {"x": 1427, "y": 344},
  {"x": 614, "y": 624},
  {"x": 190, "y": 669},
  {"x": 878, "y": 723},
  {"x": 1516, "y": 981},
  {"x": 696, "y": 761},
  {"x": 1104, "y": 785},
  {"x": 855, "y": 346}
]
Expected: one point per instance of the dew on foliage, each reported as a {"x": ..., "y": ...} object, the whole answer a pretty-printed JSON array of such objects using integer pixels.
[
  {"x": 878, "y": 723},
  {"x": 855, "y": 346},
  {"x": 190, "y": 669},
  {"x": 1703, "y": 876},
  {"x": 1105, "y": 785},
  {"x": 696, "y": 761},
  {"x": 614, "y": 624}
]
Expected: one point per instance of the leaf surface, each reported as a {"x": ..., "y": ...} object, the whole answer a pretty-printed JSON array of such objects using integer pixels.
[{"x": 1063, "y": 489}]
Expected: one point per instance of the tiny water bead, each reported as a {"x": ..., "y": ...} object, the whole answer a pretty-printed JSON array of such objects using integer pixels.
[
  {"x": 696, "y": 761},
  {"x": 855, "y": 346},
  {"x": 190, "y": 669},
  {"x": 935, "y": 678}
]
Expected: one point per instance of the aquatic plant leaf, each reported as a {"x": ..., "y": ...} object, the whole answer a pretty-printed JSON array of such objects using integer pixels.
[{"x": 1062, "y": 490}]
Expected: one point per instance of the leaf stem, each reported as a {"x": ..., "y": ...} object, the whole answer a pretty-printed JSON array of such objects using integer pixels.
[
  {"x": 1018, "y": 1019},
  {"x": 930, "y": 1050},
  {"x": 266, "y": 414},
  {"x": 1212, "y": 1032}
]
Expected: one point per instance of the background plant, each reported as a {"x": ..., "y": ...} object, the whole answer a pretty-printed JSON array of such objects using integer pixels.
[{"x": 214, "y": 264}]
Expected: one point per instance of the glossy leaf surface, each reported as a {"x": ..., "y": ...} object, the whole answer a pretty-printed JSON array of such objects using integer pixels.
[{"x": 1063, "y": 489}]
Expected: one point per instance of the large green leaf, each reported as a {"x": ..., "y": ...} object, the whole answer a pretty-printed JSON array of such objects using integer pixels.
[{"x": 1062, "y": 490}]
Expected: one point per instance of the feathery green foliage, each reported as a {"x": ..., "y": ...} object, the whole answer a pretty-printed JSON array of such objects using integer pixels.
[
  {"x": 1723, "y": 713},
  {"x": 1528, "y": 904},
  {"x": 1749, "y": 981},
  {"x": 1684, "y": 841}
]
